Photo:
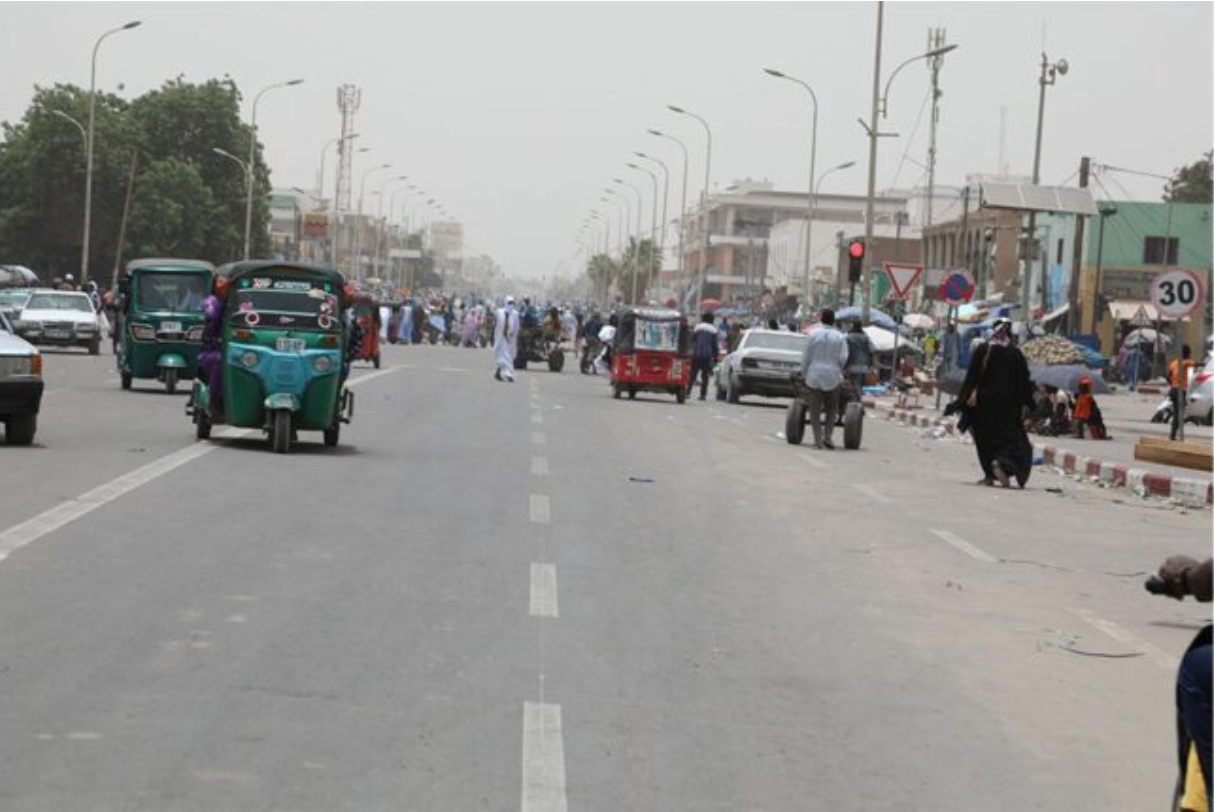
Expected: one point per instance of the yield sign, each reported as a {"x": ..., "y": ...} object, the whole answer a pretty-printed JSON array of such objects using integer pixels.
[{"x": 902, "y": 276}]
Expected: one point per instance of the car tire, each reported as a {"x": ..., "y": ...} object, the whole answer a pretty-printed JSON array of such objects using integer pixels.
[
  {"x": 95, "y": 346},
  {"x": 616, "y": 391},
  {"x": 632, "y": 393},
  {"x": 734, "y": 393},
  {"x": 21, "y": 430}
]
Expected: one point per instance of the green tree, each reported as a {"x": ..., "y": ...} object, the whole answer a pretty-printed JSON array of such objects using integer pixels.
[
  {"x": 1193, "y": 183},
  {"x": 42, "y": 163},
  {"x": 603, "y": 272},
  {"x": 170, "y": 211},
  {"x": 641, "y": 260}
]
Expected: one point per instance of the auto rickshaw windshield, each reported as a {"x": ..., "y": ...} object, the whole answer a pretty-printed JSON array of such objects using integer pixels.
[
  {"x": 311, "y": 309},
  {"x": 178, "y": 292}
]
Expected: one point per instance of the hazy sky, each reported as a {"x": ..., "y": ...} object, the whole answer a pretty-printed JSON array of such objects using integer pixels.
[{"x": 516, "y": 116}]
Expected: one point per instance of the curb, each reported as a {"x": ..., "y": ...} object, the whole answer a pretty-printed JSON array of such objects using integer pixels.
[{"x": 1187, "y": 492}]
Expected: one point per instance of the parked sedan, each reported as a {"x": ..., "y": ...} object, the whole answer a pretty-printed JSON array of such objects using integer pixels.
[
  {"x": 1200, "y": 407},
  {"x": 60, "y": 317},
  {"x": 20, "y": 386},
  {"x": 761, "y": 365}
]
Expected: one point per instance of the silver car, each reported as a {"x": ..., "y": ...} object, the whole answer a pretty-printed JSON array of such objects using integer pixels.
[
  {"x": 1200, "y": 407},
  {"x": 60, "y": 317},
  {"x": 761, "y": 365},
  {"x": 20, "y": 386}
]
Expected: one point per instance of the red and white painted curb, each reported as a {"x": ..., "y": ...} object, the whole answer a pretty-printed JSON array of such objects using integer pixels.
[{"x": 1188, "y": 492}]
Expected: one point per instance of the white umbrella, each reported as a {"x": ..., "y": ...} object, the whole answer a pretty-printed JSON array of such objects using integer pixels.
[
  {"x": 883, "y": 340},
  {"x": 918, "y": 321},
  {"x": 1144, "y": 335}
]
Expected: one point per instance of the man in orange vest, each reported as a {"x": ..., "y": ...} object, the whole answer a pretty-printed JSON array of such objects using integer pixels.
[{"x": 1178, "y": 382}]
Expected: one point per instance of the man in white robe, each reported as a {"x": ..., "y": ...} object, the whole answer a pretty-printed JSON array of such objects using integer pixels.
[{"x": 505, "y": 340}]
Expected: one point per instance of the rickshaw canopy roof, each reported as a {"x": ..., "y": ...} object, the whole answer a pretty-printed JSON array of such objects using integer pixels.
[
  {"x": 168, "y": 264},
  {"x": 651, "y": 314},
  {"x": 234, "y": 271},
  {"x": 673, "y": 337}
]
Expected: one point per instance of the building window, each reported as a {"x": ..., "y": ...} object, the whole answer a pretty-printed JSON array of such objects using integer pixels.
[{"x": 1152, "y": 250}]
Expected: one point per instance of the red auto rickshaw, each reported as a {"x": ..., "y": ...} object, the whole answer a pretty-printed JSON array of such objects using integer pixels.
[
  {"x": 366, "y": 313},
  {"x": 651, "y": 353}
]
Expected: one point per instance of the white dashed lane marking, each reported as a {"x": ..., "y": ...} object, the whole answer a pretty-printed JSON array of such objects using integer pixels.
[
  {"x": 964, "y": 546},
  {"x": 540, "y": 511},
  {"x": 543, "y": 591},
  {"x": 537, "y": 437},
  {"x": 872, "y": 493},
  {"x": 543, "y": 759},
  {"x": 539, "y": 466}
]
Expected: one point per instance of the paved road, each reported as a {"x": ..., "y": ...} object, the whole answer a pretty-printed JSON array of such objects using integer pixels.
[{"x": 534, "y": 597}]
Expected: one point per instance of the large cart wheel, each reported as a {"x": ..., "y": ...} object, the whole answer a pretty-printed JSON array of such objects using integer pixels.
[
  {"x": 794, "y": 423},
  {"x": 616, "y": 391},
  {"x": 556, "y": 361},
  {"x": 280, "y": 431},
  {"x": 202, "y": 424},
  {"x": 126, "y": 379},
  {"x": 333, "y": 434},
  {"x": 853, "y": 425},
  {"x": 170, "y": 380},
  {"x": 680, "y": 395}
]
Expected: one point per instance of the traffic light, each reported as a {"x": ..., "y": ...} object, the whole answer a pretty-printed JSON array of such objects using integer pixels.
[{"x": 855, "y": 260}]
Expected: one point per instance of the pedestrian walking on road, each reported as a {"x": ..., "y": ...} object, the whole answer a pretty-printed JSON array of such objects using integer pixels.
[
  {"x": 859, "y": 356},
  {"x": 996, "y": 392},
  {"x": 704, "y": 355},
  {"x": 822, "y": 368},
  {"x": 404, "y": 330},
  {"x": 505, "y": 338}
]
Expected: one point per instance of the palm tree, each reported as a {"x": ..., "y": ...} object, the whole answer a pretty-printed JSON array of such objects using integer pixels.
[
  {"x": 603, "y": 271},
  {"x": 641, "y": 263}
]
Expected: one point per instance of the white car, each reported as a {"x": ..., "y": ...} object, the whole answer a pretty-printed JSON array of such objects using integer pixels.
[
  {"x": 20, "y": 386},
  {"x": 762, "y": 364},
  {"x": 1200, "y": 407},
  {"x": 60, "y": 317}
]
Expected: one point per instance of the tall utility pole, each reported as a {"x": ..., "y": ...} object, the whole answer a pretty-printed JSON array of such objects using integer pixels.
[
  {"x": 872, "y": 166},
  {"x": 935, "y": 41},
  {"x": 349, "y": 97},
  {"x": 1049, "y": 74},
  {"x": 1072, "y": 299}
]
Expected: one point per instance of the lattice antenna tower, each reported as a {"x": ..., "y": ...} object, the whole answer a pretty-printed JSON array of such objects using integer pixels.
[{"x": 348, "y": 99}]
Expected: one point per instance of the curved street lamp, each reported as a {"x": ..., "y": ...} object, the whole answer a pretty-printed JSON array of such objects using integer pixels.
[
  {"x": 811, "y": 202},
  {"x": 707, "y": 187},
  {"x": 248, "y": 208},
  {"x": 683, "y": 207}
]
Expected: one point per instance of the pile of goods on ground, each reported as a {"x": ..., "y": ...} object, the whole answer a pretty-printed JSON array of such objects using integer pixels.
[{"x": 1052, "y": 350}]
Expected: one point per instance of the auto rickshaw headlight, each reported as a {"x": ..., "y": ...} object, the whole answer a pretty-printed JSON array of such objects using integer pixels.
[
  {"x": 249, "y": 359},
  {"x": 143, "y": 332},
  {"x": 322, "y": 363},
  {"x": 194, "y": 334}
]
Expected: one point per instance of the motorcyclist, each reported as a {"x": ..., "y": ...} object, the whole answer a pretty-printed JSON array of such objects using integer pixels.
[{"x": 1182, "y": 576}]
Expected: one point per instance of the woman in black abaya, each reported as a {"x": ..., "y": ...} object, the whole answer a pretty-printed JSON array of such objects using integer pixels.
[{"x": 996, "y": 391}]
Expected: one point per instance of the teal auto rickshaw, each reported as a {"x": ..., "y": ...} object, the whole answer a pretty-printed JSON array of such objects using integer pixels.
[
  {"x": 275, "y": 353},
  {"x": 160, "y": 319}
]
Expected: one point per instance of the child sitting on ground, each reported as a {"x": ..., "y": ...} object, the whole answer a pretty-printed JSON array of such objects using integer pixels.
[{"x": 1087, "y": 412}]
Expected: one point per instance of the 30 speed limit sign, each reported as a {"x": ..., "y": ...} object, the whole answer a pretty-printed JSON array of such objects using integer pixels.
[{"x": 1176, "y": 293}]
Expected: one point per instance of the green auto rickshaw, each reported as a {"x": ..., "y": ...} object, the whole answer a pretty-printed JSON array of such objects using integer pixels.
[
  {"x": 275, "y": 353},
  {"x": 160, "y": 319}
]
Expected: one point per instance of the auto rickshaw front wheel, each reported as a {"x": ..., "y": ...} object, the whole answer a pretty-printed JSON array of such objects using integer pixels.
[
  {"x": 556, "y": 361},
  {"x": 170, "y": 381},
  {"x": 616, "y": 391},
  {"x": 333, "y": 434},
  {"x": 680, "y": 395},
  {"x": 202, "y": 424},
  {"x": 280, "y": 431}
]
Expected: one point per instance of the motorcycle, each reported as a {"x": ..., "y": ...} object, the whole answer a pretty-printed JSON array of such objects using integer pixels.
[
  {"x": 1186, "y": 755},
  {"x": 589, "y": 353}
]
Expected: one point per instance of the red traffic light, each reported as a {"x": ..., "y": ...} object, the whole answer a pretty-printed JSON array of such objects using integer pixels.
[{"x": 856, "y": 249}]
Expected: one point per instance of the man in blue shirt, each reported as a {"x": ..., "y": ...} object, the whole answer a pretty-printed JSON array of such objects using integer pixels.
[
  {"x": 822, "y": 368},
  {"x": 704, "y": 354}
]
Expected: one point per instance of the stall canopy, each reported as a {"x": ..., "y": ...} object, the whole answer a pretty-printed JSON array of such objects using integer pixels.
[{"x": 1127, "y": 309}]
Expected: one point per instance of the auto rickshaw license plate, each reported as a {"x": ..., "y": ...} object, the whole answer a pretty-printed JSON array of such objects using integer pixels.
[
  {"x": 170, "y": 327},
  {"x": 290, "y": 345}
]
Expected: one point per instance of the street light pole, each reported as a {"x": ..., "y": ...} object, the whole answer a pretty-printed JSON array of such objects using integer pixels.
[
  {"x": 707, "y": 188},
  {"x": 1049, "y": 75},
  {"x": 665, "y": 199},
  {"x": 356, "y": 235},
  {"x": 683, "y": 208},
  {"x": 636, "y": 254},
  {"x": 248, "y": 208},
  {"x": 88, "y": 152},
  {"x": 811, "y": 197},
  {"x": 1105, "y": 213},
  {"x": 380, "y": 220},
  {"x": 653, "y": 220}
]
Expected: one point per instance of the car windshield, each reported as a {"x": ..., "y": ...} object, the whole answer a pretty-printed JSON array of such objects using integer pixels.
[
  {"x": 60, "y": 301},
  {"x": 178, "y": 292},
  {"x": 790, "y": 342},
  {"x": 13, "y": 298}
]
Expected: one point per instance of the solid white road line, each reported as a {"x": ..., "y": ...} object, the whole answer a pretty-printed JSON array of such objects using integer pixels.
[
  {"x": 543, "y": 759},
  {"x": 964, "y": 546},
  {"x": 537, "y": 437},
  {"x": 537, "y": 418},
  {"x": 540, "y": 511},
  {"x": 1155, "y": 654},
  {"x": 48, "y": 521},
  {"x": 370, "y": 376},
  {"x": 539, "y": 466},
  {"x": 872, "y": 493},
  {"x": 543, "y": 591}
]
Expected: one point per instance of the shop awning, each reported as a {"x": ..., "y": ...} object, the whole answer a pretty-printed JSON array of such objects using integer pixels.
[
  {"x": 1126, "y": 309},
  {"x": 1054, "y": 315}
]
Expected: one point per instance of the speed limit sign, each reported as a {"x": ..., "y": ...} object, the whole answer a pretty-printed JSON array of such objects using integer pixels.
[{"x": 1176, "y": 293}]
